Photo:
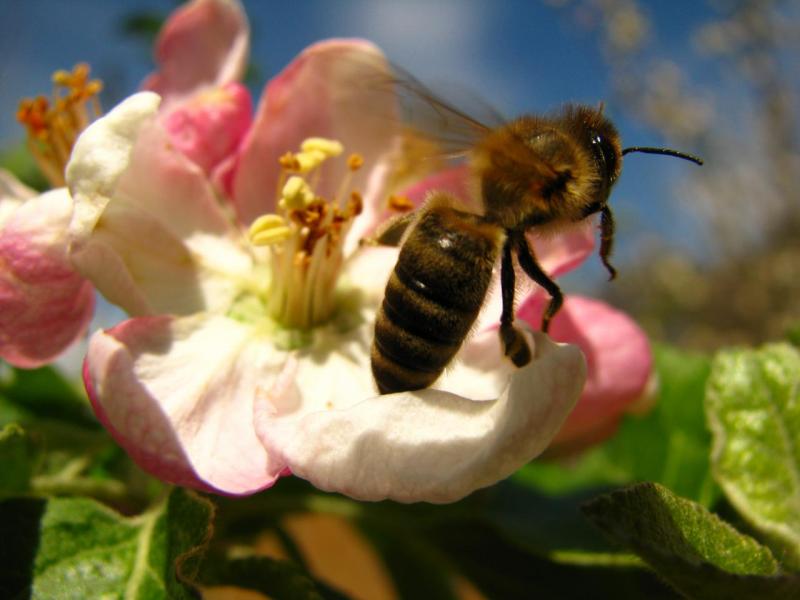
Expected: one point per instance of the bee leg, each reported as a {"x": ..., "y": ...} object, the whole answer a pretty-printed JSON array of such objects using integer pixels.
[
  {"x": 528, "y": 262},
  {"x": 607, "y": 240},
  {"x": 515, "y": 346}
]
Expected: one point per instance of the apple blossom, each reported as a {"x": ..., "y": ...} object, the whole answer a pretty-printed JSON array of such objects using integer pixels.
[
  {"x": 202, "y": 53},
  {"x": 44, "y": 304},
  {"x": 247, "y": 354}
]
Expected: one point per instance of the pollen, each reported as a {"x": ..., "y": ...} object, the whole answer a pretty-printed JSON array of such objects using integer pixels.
[
  {"x": 355, "y": 161},
  {"x": 54, "y": 124},
  {"x": 268, "y": 230},
  {"x": 330, "y": 148},
  {"x": 306, "y": 235},
  {"x": 296, "y": 194},
  {"x": 399, "y": 203}
]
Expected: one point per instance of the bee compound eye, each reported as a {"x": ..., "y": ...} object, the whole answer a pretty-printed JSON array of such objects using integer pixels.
[{"x": 604, "y": 154}]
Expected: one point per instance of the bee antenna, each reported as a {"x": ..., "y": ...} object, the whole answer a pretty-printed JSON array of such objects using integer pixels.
[{"x": 669, "y": 152}]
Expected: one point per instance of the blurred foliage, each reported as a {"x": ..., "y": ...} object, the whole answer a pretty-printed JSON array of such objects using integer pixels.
[
  {"x": 674, "y": 434},
  {"x": 19, "y": 161},
  {"x": 749, "y": 300}
]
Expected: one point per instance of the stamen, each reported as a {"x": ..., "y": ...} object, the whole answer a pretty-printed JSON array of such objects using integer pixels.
[
  {"x": 306, "y": 237},
  {"x": 309, "y": 160},
  {"x": 289, "y": 162},
  {"x": 330, "y": 148},
  {"x": 399, "y": 203},
  {"x": 355, "y": 161},
  {"x": 267, "y": 230},
  {"x": 296, "y": 194},
  {"x": 53, "y": 128}
]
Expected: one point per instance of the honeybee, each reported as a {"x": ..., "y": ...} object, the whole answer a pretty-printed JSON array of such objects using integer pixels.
[{"x": 540, "y": 172}]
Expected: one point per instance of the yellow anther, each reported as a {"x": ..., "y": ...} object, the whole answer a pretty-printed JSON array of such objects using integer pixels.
[
  {"x": 268, "y": 229},
  {"x": 355, "y": 161},
  {"x": 309, "y": 160},
  {"x": 328, "y": 147},
  {"x": 76, "y": 78},
  {"x": 296, "y": 194}
]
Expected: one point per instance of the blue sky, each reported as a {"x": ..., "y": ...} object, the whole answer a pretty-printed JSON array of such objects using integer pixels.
[{"x": 519, "y": 55}]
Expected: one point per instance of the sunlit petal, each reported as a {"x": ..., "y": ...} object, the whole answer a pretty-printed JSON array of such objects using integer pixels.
[
  {"x": 429, "y": 445},
  {"x": 178, "y": 395}
]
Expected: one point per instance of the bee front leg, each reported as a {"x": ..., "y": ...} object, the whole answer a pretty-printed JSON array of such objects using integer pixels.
[
  {"x": 607, "y": 240},
  {"x": 528, "y": 262},
  {"x": 515, "y": 346}
]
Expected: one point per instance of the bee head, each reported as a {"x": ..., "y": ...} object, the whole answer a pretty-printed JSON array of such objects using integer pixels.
[{"x": 600, "y": 140}]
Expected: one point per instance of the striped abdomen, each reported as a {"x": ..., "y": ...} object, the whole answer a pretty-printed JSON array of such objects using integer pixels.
[{"x": 433, "y": 297}]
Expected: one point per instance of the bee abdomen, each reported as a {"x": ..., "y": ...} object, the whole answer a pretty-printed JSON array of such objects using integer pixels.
[{"x": 432, "y": 299}]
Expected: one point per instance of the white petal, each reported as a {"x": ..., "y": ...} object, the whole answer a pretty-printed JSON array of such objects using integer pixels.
[
  {"x": 429, "y": 445},
  {"x": 178, "y": 395},
  {"x": 147, "y": 227},
  {"x": 101, "y": 155}
]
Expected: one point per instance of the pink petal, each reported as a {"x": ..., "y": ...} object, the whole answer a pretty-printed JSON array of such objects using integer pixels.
[
  {"x": 209, "y": 127},
  {"x": 560, "y": 252},
  {"x": 318, "y": 94},
  {"x": 178, "y": 394},
  {"x": 619, "y": 358},
  {"x": 454, "y": 181},
  {"x": 44, "y": 304},
  {"x": 203, "y": 43}
]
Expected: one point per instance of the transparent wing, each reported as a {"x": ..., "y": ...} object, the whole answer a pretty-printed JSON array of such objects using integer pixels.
[
  {"x": 454, "y": 124},
  {"x": 446, "y": 122}
]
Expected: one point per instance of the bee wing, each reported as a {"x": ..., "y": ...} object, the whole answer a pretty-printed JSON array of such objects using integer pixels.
[
  {"x": 443, "y": 127},
  {"x": 452, "y": 126}
]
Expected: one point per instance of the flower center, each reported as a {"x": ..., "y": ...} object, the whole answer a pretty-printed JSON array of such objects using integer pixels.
[
  {"x": 306, "y": 236},
  {"x": 54, "y": 125}
]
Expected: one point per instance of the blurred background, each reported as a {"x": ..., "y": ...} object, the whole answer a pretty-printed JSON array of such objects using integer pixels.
[{"x": 707, "y": 256}]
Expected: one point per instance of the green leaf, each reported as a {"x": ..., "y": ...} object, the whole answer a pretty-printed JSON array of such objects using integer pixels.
[
  {"x": 753, "y": 406},
  {"x": 278, "y": 579},
  {"x": 669, "y": 445},
  {"x": 18, "y": 457},
  {"x": 77, "y": 548},
  {"x": 501, "y": 569},
  {"x": 699, "y": 554}
]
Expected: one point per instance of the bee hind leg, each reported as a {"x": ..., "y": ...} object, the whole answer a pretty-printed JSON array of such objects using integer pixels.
[
  {"x": 515, "y": 346},
  {"x": 531, "y": 267}
]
